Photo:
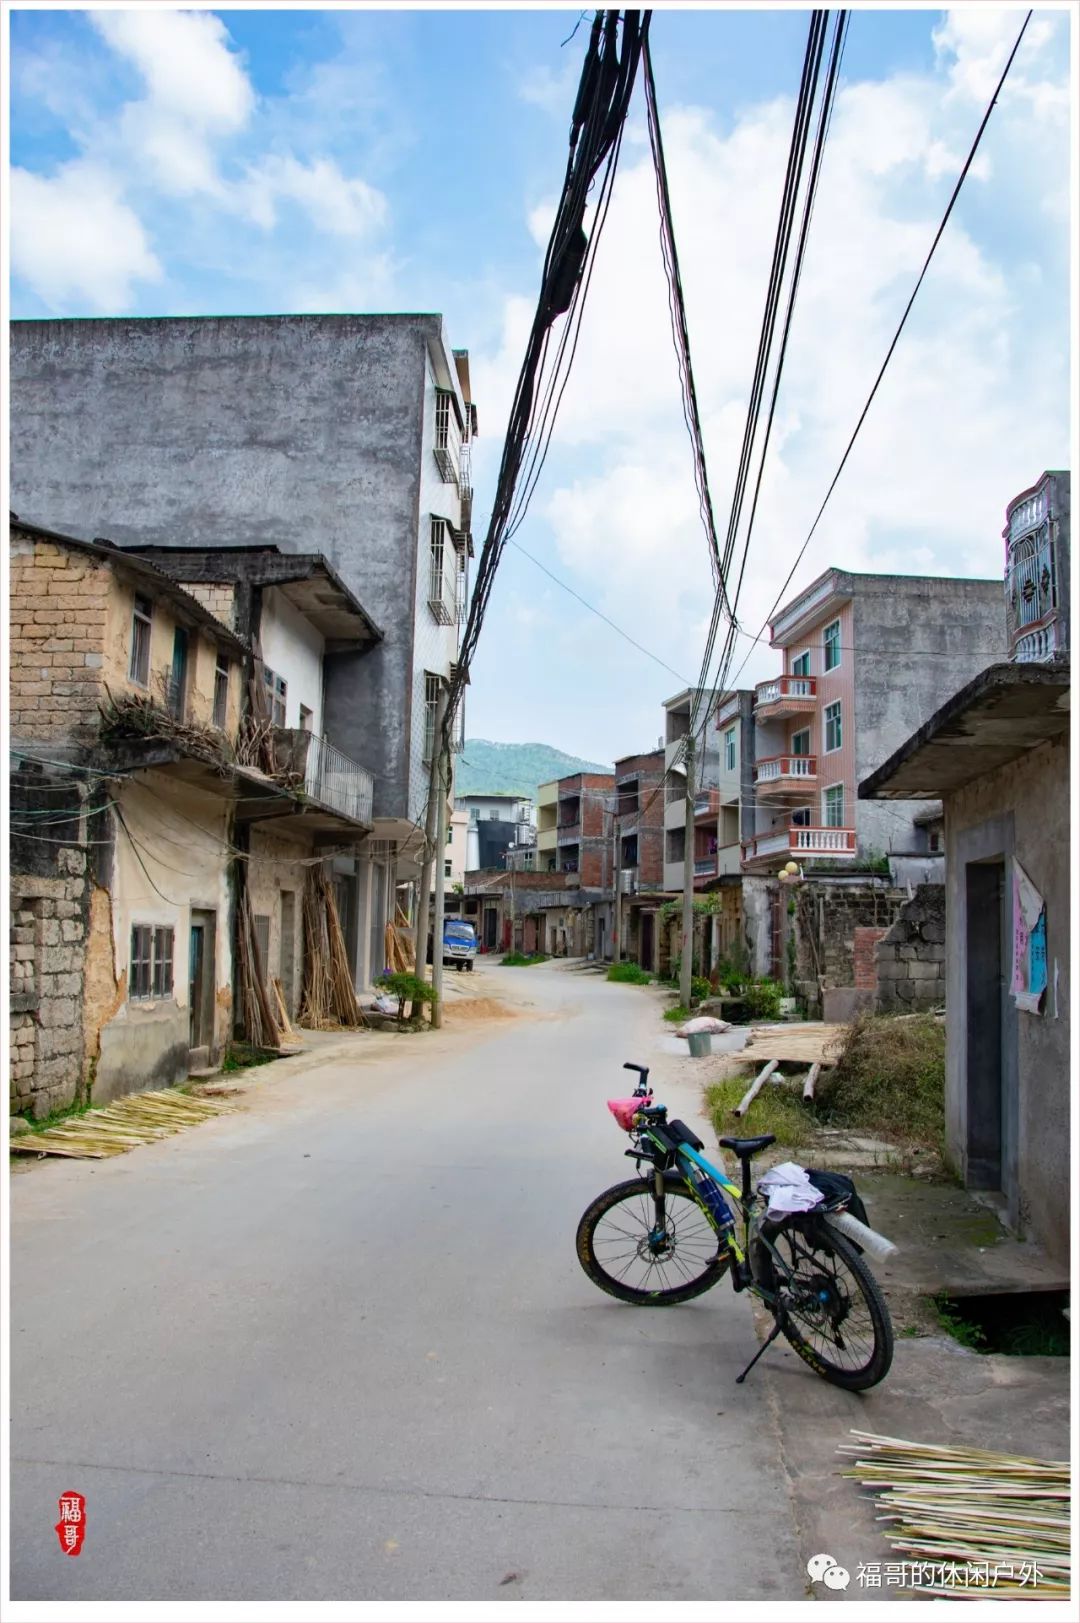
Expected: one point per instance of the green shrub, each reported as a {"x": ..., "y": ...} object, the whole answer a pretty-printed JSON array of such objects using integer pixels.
[
  {"x": 630, "y": 974},
  {"x": 761, "y": 999},
  {"x": 677, "y": 1015},
  {"x": 699, "y": 988},
  {"x": 521, "y": 960},
  {"x": 407, "y": 989}
]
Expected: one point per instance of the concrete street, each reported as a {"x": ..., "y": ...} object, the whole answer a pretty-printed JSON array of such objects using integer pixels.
[{"x": 337, "y": 1346}]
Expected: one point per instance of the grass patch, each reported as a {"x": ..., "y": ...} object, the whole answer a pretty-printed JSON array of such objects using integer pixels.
[
  {"x": 778, "y": 1110},
  {"x": 41, "y": 1124},
  {"x": 1030, "y": 1325},
  {"x": 889, "y": 1080},
  {"x": 524, "y": 960},
  {"x": 962, "y": 1329},
  {"x": 241, "y": 1056},
  {"x": 629, "y": 974},
  {"x": 677, "y": 1015}
]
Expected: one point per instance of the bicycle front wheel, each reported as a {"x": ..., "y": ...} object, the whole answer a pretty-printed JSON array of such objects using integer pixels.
[
  {"x": 627, "y": 1253},
  {"x": 834, "y": 1314}
]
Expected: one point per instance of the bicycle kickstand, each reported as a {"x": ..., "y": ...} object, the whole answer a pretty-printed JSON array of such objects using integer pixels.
[{"x": 762, "y": 1350}]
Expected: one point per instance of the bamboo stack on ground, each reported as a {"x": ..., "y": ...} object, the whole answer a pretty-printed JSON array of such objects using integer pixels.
[
  {"x": 256, "y": 1008},
  {"x": 1000, "y": 1514},
  {"x": 141, "y": 1118},
  {"x": 329, "y": 996}
]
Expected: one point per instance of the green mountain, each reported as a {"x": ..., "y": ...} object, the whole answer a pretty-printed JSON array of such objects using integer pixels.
[{"x": 515, "y": 769}]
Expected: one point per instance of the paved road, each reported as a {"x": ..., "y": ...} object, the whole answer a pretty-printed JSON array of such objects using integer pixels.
[{"x": 338, "y": 1347}]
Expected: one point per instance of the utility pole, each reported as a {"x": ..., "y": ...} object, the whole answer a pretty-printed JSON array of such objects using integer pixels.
[
  {"x": 512, "y": 872},
  {"x": 616, "y": 931},
  {"x": 687, "y": 961},
  {"x": 430, "y": 829},
  {"x": 443, "y": 750}
]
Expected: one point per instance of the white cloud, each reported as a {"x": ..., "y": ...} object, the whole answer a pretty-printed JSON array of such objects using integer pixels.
[
  {"x": 73, "y": 238},
  {"x": 187, "y": 62},
  {"x": 973, "y": 406},
  {"x": 335, "y": 203}
]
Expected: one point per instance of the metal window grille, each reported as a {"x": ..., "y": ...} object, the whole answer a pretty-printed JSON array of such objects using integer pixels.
[
  {"x": 834, "y": 732},
  {"x": 139, "y": 974},
  {"x": 432, "y": 685},
  {"x": 221, "y": 691},
  {"x": 162, "y": 980},
  {"x": 447, "y": 437},
  {"x": 139, "y": 670}
]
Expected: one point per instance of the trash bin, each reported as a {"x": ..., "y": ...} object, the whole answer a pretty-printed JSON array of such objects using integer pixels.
[{"x": 700, "y": 1044}]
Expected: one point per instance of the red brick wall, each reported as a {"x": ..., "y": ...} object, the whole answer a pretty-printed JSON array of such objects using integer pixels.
[
  {"x": 866, "y": 939},
  {"x": 591, "y": 867}
]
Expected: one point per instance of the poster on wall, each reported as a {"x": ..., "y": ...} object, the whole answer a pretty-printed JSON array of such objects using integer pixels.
[{"x": 1029, "y": 943}]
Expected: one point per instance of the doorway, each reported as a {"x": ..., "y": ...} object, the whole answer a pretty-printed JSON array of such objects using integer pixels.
[
  {"x": 287, "y": 955},
  {"x": 984, "y": 1012},
  {"x": 201, "y": 979},
  {"x": 647, "y": 942}
]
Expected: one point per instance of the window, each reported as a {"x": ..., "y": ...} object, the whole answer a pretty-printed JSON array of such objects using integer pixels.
[
  {"x": 277, "y": 690},
  {"x": 493, "y": 816},
  {"x": 801, "y": 666},
  {"x": 177, "y": 692},
  {"x": 800, "y": 742},
  {"x": 151, "y": 971},
  {"x": 831, "y": 644},
  {"x": 306, "y": 718},
  {"x": 139, "y": 669},
  {"x": 832, "y": 806},
  {"x": 801, "y": 818},
  {"x": 448, "y": 869},
  {"x": 729, "y": 750},
  {"x": 834, "y": 732},
  {"x": 442, "y": 584},
  {"x": 221, "y": 691},
  {"x": 432, "y": 689}
]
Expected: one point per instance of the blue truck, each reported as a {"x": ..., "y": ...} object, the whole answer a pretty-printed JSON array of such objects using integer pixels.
[{"x": 460, "y": 945}]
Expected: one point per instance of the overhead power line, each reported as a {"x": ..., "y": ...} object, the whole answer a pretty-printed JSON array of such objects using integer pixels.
[{"x": 722, "y": 681}]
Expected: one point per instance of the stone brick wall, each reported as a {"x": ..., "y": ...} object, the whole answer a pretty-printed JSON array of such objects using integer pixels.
[
  {"x": 48, "y": 945},
  {"x": 910, "y": 959},
  {"x": 58, "y": 626},
  {"x": 218, "y": 597}
]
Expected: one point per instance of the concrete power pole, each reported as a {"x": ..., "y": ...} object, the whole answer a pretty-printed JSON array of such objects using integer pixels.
[
  {"x": 687, "y": 961},
  {"x": 616, "y": 929},
  {"x": 430, "y": 831},
  {"x": 440, "y": 881}
]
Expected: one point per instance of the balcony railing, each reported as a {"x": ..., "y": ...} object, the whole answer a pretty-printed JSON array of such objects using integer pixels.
[
  {"x": 704, "y": 867},
  {"x": 707, "y": 803},
  {"x": 786, "y": 693},
  {"x": 800, "y": 841},
  {"x": 1036, "y": 646},
  {"x": 308, "y": 762}
]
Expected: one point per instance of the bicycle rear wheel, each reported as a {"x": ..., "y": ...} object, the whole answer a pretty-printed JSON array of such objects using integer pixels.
[
  {"x": 834, "y": 1314},
  {"x": 623, "y": 1252}
]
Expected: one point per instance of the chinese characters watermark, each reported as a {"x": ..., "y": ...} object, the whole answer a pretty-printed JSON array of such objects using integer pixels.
[
  {"x": 916, "y": 1575},
  {"x": 71, "y": 1528}
]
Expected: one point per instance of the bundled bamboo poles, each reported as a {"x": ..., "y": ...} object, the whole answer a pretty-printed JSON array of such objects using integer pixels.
[
  {"x": 329, "y": 998},
  {"x": 1000, "y": 1521},
  {"x": 139, "y": 1119},
  {"x": 256, "y": 1007},
  {"x": 399, "y": 946}
]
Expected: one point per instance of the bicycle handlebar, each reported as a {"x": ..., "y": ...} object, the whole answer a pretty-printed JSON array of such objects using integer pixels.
[{"x": 643, "y": 1078}]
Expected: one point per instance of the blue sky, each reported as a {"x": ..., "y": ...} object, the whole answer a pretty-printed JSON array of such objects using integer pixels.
[{"x": 242, "y": 160}]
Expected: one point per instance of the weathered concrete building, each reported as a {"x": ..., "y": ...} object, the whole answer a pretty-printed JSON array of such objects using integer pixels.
[
  {"x": 867, "y": 658},
  {"x": 347, "y": 435},
  {"x": 997, "y": 756}
]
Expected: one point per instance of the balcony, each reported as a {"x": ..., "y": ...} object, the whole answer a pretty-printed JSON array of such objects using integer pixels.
[
  {"x": 783, "y": 777},
  {"x": 785, "y": 696},
  {"x": 442, "y": 593},
  {"x": 336, "y": 782},
  {"x": 799, "y": 843},
  {"x": 707, "y": 805},
  {"x": 705, "y": 867}
]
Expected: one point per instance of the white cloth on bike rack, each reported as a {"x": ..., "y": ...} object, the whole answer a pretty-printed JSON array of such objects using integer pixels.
[{"x": 787, "y": 1188}]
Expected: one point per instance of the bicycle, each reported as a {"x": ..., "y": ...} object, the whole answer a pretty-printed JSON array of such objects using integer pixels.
[{"x": 673, "y": 1237}]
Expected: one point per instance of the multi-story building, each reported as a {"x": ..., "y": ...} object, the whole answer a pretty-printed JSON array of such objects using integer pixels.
[
  {"x": 702, "y": 844},
  {"x": 1037, "y": 555},
  {"x": 497, "y": 824},
  {"x": 347, "y": 434},
  {"x": 547, "y": 818},
  {"x": 147, "y": 797},
  {"x": 866, "y": 658},
  {"x": 583, "y": 827},
  {"x": 734, "y": 719}
]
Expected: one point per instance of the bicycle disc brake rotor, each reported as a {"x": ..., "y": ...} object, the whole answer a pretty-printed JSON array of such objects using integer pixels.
[{"x": 821, "y": 1298}]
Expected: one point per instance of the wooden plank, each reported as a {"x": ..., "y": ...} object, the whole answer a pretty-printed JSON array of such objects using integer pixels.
[{"x": 755, "y": 1088}]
